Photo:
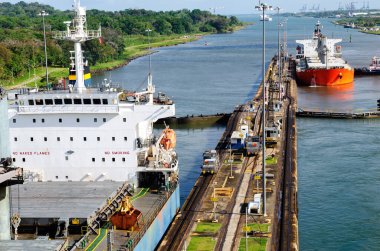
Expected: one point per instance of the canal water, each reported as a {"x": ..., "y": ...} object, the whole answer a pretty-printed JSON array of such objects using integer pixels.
[{"x": 338, "y": 160}]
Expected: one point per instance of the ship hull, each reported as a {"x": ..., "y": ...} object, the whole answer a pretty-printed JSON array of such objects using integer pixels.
[
  {"x": 366, "y": 72},
  {"x": 325, "y": 77},
  {"x": 163, "y": 219}
]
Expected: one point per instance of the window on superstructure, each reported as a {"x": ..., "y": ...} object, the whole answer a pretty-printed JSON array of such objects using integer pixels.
[
  {"x": 93, "y": 159},
  {"x": 45, "y": 138},
  {"x": 71, "y": 139},
  {"x": 14, "y": 159},
  {"x": 23, "y": 159},
  {"x": 87, "y": 101},
  {"x": 60, "y": 120},
  {"x": 123, "y": 159},
  {"x": 104, "y": 120},
  {"x": 58, "y": 139},
  {"x": 58, "y": 101},
  {"x": 34, "y": 120},
  {"x": 78, "y": 120},
  {"x": 105, "y": 101},
  {"x": 113, "y": 138},
  {"x": 68, "y": 101},
  {"x": 14, "y": 121},
  {"x": 98, "y": 138},
  {"x": 56, "y": 177},
  {"x": 43, "y": 120},
  {"x": 15, "y": 138},
  {"x": 48, "y": 101},
  {"x": 104, "y": 159},
  {"x": 77, "y": 101},
  {"x": 125, "y": 138},
  {"x": 31, "y": 138},
  {"x": 39, "y": 102},
  {"x": 113, "y": 159},
  {"x": 84, "y": 138},
  {"x": 124, "y": 119},
  {"x": 96, "y": 101},
  {"x": 95, "y": 120},
  {"x": 31, "y": 102},
  {"x": 66, "y": 157}
]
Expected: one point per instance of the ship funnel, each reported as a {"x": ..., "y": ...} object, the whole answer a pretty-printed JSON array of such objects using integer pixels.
[{"x": 77, "y": 32}]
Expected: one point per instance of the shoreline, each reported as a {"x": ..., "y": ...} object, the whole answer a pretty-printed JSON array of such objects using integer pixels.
[
  {"x": 116, "y": 64},
  {"x": 148, "y": 51}
]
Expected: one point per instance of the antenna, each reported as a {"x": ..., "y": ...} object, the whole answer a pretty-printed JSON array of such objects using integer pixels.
[
  {"x": 78, "y": 34},
  {"x": 150, "y": 88}
]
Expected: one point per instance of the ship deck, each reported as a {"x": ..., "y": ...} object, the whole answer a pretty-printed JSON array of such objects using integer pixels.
[
  {"x": 61, "y": 199},
  {"x": 71, "y": 199},
  {"x": 42, "y": 201},
  {"x": 31, "y": 245}
]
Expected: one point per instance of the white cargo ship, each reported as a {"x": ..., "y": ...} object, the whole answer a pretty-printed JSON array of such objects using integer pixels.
[{"x": 84, "y": 150}]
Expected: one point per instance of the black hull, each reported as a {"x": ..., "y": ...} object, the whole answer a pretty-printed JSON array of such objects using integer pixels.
[{"x": 366, "y": 72}]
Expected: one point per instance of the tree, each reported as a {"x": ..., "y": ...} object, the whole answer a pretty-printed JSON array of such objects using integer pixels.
[{"x": 162, "y": 26}]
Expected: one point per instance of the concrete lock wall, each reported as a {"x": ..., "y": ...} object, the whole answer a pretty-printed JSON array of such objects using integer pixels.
[
  {"x": 4, "y": 128},
  {"x": 4, "y": 153}
]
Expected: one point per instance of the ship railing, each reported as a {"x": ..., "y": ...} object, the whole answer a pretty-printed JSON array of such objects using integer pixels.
[
  {"x": 69, "y": 109},
  {"x": 95, "y": 89},
  {"x": 149, "y": 217},
  {"x": 73, "y": 34}
]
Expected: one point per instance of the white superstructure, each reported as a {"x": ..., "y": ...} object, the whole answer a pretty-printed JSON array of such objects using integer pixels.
[
  {"x": 90, "y": 134},
  {"x": 320, "y": 52}
]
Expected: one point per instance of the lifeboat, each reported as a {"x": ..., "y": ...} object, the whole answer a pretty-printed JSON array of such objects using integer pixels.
[{"x": 168, "y": 141}]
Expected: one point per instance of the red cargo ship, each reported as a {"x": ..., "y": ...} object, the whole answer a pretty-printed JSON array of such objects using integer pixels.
[{"x": 320, "y": 63}]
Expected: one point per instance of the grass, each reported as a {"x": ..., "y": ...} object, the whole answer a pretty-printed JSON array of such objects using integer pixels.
[
  {"x": 25, "y": 80},
  {"x": 259, "y": 227},
  {"x": 138, "y": 45},
  {"x": 254, "y": 244},
  {"x": 207, "y": 227},
  {"x": 371, "y": 32},
  {"x": 201, "y": 244},
  {"x": 271, "y": 160}
]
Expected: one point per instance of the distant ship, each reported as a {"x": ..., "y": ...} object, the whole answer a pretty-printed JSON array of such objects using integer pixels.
[
  {"x": 320, "y": 63},
  {"x": 265, "y": 18},
  {"x": 373, "y": 69}
]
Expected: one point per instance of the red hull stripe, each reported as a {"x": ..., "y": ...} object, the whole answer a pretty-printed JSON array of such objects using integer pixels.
[{"x": 325, "y": 77}]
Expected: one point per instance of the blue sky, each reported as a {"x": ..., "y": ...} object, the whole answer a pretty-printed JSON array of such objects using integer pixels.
[{"x": 223, "y": 6}]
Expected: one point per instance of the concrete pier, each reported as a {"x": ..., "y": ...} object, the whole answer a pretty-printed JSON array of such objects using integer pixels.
[
  {"x": 5, "y": 213},
  {"x": 219, "y": 217},
  {"x": 8, "y": 174}
]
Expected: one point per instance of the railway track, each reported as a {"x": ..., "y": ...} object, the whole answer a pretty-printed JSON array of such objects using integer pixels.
[
  {"x": 174, "y": 238},
  {"x": 231, "y": 125},
  {"x": 288, "y": 209},
  {"x": 247, "y": 162},
  {"x": 179, "y": 229}
]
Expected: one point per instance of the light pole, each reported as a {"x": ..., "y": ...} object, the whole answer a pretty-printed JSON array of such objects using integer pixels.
[
  {"x": 150, "y": 60},
  {"x": 285, "y": 38},
  {"x": 230, "y": 160},
  {"x": 43, "y": 14},
  {"x": 263, "y": 7},
  {"x": 279, "y": 53},
  {"x": 246, "y": 228}
]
